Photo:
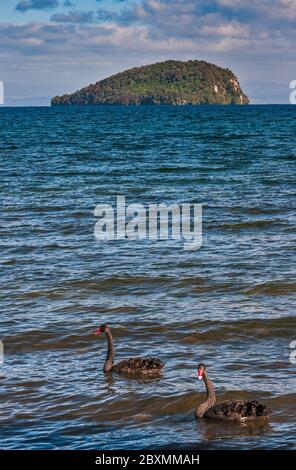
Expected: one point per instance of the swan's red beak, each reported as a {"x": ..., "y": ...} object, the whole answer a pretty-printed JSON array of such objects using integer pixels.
[
  {"x": 199, "y": 374},
  {"x": 98, "y": 332}
]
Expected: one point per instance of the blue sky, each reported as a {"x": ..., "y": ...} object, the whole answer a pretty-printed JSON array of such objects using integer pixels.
[{"x": 50, "y": 47}]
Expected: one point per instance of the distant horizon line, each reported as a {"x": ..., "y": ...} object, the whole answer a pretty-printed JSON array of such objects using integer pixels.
[{"x": 142, "y": 105}]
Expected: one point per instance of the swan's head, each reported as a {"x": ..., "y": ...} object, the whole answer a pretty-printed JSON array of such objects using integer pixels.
[
  {"x": 102, "y": 329},
  {"x": 200, "y": 371}
]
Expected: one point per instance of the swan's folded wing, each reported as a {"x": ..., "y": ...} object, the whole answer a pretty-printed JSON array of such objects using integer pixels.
[
  {"x": 138, "y": 364},
  {"x": 238, "y": 409}
]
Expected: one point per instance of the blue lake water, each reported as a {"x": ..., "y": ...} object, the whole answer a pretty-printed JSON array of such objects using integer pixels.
[{"x": 230, "y": 304}]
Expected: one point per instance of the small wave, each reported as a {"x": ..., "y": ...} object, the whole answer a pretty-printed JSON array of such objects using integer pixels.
[
  {"x": 50, "y": 294},
  {"x": 272, "y": 288},
  {"x": 213, "y": 331},
  {"x": 8, "y": 262},
  {"x": 251, "y": 224},
  {"x": 113, "y": 282},
  {"x": 40, "y": 340}
]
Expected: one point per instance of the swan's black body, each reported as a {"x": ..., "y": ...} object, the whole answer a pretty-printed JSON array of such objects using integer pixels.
[
  {"x": 134, "y": 365},
  {"x": 237, "y": 410},
  {"x": 230, "y": 410},
  {"x": 139, "y": 365}
]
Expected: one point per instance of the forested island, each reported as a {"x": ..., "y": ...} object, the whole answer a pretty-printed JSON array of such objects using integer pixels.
[{"x": 171, "y": 82}]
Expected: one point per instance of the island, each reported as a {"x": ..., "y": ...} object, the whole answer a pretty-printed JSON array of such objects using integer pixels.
[{"x": 172, "y": 82}]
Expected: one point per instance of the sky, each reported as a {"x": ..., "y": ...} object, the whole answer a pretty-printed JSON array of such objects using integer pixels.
[{"x": 50, "y": 47}]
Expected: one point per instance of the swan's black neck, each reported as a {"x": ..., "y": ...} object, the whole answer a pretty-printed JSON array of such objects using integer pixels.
[
  {"x": 110, "y": 354},
  {"x": 211, "y": 397}
]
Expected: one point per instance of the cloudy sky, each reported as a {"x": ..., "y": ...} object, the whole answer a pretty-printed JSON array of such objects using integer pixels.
[{"x": 50, "y": 47}]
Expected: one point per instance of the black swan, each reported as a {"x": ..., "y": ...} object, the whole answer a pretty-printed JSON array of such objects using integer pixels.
[
  {"x": 134, "y": 365},
  {"x": 230, "y": 410}
]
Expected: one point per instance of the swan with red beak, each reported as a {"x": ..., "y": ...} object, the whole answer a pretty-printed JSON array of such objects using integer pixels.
[
  {"x": 134, "y": 365},
  {"x": 230, "y": 410}
]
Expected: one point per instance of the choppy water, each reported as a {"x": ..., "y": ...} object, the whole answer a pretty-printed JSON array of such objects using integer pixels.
[{"x": 230, "y": 304}]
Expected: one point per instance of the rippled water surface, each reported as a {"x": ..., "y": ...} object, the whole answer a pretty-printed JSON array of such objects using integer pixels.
[{"x": 230, "y": 304}]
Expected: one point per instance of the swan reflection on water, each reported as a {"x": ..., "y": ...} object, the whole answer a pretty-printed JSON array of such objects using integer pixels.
[
  {"x": 220, "y": 430},
  {"x": 113, "y": 380}
]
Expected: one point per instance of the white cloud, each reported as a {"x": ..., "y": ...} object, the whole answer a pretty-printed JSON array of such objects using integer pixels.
[{"x": 255, "y": 39}]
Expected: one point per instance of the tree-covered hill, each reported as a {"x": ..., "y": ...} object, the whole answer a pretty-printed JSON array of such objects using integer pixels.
[{"x": 171, "y": 82}]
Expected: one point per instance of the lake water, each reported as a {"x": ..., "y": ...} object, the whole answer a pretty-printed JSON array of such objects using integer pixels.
[{"x": 230, "y": 304}]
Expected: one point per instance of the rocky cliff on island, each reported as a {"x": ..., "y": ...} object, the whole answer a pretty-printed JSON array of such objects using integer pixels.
[{"x": 172, "y": 82}]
